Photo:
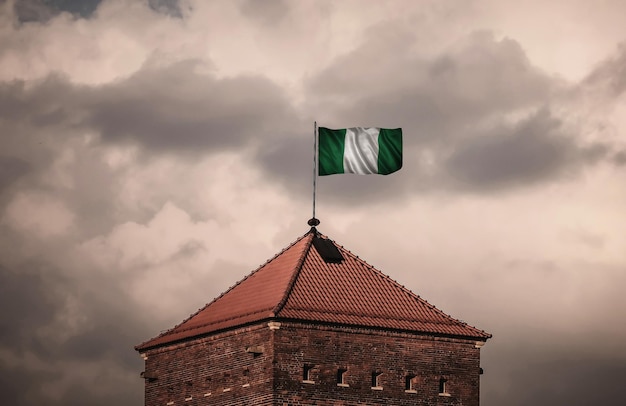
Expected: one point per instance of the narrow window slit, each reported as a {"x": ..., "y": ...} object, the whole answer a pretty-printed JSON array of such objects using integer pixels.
[
  {"x": 307, "y": 376},
  {"x": 341, "y": 377},
  {"x": 442, "y": 385},
  {"x": 410, "y": 383},
  {"x": 377, "y": 380}
]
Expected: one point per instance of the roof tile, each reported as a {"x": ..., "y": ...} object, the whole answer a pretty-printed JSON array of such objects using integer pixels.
[{"x": 298, "y": 284}]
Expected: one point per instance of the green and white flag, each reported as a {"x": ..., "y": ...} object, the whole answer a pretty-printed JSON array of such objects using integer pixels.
[{"x": 359, "y": 150}]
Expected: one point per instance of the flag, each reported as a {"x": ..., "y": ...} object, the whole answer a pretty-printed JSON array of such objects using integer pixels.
[{"x": 359, "y": 150}]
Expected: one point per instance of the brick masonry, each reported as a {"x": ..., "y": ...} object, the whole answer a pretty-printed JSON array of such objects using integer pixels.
[
  {"x": 214, "y": 370},
  {"x": 262, "y": 366}
]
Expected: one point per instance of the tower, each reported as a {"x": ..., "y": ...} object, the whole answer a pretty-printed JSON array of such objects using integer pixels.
[{"x": 315, "y": 325}]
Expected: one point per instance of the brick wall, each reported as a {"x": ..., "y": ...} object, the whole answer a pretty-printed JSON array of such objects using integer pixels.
[
  {"x": 361, "y": 352},
  {"x": 217, "y": 370},
  {"x": 214, "y": 370}
]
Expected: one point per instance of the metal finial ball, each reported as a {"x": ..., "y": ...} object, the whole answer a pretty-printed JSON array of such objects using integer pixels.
[{"x": 313, "y": 222}]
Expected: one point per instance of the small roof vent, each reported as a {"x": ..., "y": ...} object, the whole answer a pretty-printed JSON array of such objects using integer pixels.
[{"x": 327, "y": 250}]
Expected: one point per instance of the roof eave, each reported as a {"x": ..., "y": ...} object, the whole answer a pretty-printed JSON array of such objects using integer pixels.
[{"x": 206, "y": 333}]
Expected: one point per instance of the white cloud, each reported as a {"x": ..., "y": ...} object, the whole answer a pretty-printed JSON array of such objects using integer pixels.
[{"x": 38, "y": 214}]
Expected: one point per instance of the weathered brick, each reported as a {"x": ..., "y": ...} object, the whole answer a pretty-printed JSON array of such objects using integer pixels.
[{"x": 218, "y": 370}]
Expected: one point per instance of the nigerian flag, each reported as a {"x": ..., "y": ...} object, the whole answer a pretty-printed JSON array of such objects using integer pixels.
[{"x": 360, "y": 150}]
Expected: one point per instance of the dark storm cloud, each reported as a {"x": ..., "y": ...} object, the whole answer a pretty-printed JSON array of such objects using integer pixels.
[
  {"x": 45, "y": 103},
  {"x": 39, "y": 292},
  {"x": 39, "y": 121},
  {"x": 22, "y": 386},
  {"x": 33, "y": 297},
  {"x": 177, "y": 108},
  {"x": 610, "y": 75},
  {"x": 478, "y": 78},
  {"x": 92, "y": 197},
  {"x": 453, "y": 107},
  {"x": 269, "y": 12},
  {"x": 620, "y": 158},
  {"x": 25, "y": 301},
  {"x": 43, "y": 10},
  {"x": 109, "y": 329},
  {"x": 553, "y": 378},
  {"x": 171, "y": 108},
  {"x": 531, "y": 151},
  {"x": 11, "y": 169},
  {"x": 33, "y": 10},
  {"x": 174, "y": 109},
  {"x": 439, "y": 98},
  {"x": 168, "y": 7}
]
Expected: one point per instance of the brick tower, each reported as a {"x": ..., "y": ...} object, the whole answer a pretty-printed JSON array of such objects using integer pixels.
[{"x": 315, "y": 325}]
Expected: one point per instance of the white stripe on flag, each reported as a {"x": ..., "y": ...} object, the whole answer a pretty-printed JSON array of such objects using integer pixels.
[{"x": 360, "y": 153}]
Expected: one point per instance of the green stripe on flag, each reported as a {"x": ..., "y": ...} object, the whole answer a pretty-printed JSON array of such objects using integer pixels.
[
  {"x": 389, "y": 150},
  {"x": 331, "y": 146}
]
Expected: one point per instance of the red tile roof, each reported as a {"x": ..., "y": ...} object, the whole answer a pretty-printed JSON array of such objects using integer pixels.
[{"x": 298, "y": 284}]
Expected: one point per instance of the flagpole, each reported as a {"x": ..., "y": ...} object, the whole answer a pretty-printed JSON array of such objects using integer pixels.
[{"x": 313, "y": 221}]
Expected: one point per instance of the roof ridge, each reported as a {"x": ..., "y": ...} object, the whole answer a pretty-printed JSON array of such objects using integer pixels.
[
  {"x": 295, "y": 275},
  {"x": 407, "y": 291}
]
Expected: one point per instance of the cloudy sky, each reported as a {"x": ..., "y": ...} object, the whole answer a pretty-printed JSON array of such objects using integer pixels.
[{"x": 154, "y": 152}]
